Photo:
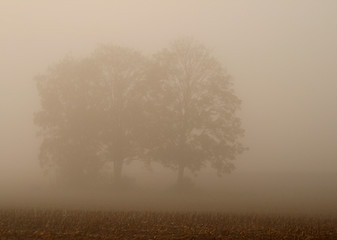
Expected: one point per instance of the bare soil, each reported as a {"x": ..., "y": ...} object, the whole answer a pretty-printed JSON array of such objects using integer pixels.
[{"x": 79, "y": 224}]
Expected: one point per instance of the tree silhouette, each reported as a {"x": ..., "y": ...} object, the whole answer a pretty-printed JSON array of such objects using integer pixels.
[
  {"x": 89, "y": 112},
  {"x": 195, "y": 110},
  {"x": 69, "y": 119},
  {"x": 123, "y": 70},
  {"x": 116, "y": 106}
]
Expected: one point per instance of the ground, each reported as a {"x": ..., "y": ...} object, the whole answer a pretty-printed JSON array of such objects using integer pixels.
[{"x": 79, "y": 224}]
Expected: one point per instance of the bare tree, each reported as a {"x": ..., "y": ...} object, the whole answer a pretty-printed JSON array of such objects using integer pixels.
[{"x": 196, "y": 110}]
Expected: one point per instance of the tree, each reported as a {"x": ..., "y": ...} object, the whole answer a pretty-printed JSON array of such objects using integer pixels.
[
  {"x": 123, "y": 70},
  {"x": 69, "y": 119},
  {"x": 89, "y": 112},
  {"x": 115, "y": 107},
  {"x": 195, "y": 107}
]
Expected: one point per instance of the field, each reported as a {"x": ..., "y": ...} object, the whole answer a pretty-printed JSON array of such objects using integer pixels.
[{"x": 76, "y": 224}]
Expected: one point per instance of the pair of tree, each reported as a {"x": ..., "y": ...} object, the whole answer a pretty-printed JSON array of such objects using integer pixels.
[{"x": 177, "y": 107}]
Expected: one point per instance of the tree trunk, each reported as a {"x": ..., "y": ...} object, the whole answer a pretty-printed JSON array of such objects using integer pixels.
[{"x": 118, "y": 167}]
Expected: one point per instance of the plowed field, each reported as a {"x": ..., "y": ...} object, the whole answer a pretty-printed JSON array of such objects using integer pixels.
[{"x": 62, "y": 224}]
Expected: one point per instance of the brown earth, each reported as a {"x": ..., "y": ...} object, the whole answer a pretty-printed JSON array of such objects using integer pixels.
[{"x": 65, "y": 224}]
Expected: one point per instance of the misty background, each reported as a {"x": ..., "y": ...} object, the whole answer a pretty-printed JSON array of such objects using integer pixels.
[{"x": 282, "y": 56}]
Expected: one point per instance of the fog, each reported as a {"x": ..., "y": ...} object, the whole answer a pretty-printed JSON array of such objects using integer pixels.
[{"x": 281, "y": 56}]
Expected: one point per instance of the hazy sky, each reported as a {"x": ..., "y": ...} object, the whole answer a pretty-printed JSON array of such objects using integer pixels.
[{"x": 282, "y": 56}]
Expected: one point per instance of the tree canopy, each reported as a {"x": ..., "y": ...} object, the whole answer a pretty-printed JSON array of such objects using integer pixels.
[
  {"x": 177, "y": 108},
  {"x": 197, "y": 109},
  {"x": 88, "y": 111},
  {"x": 67, "y": 93}
]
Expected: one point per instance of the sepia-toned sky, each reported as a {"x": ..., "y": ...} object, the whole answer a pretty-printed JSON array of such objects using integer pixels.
[{"x": 282, "y": 56}]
